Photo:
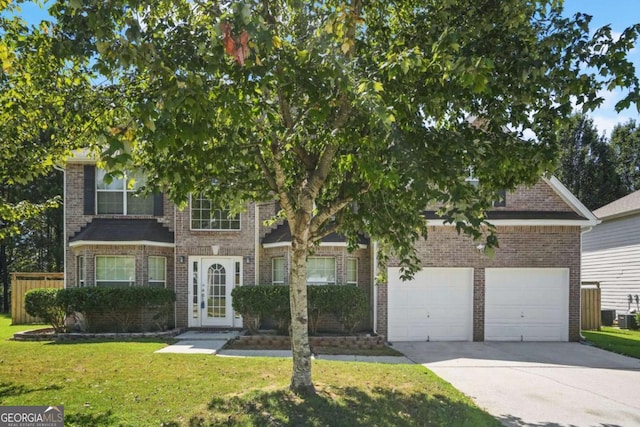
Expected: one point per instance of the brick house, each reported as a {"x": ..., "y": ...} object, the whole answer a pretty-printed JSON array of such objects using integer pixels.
[{"x": 529, "y": 290}]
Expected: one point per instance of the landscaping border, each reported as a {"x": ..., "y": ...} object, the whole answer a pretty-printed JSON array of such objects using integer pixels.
[{"x": 47, "y": 334}]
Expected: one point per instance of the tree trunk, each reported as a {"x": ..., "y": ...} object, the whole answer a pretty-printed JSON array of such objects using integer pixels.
[{"x": 301, "y": 383}]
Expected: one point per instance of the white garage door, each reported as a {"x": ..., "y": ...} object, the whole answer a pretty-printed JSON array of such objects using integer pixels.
[
  {"x": 526, "y": 304},
  {"x": 437, "y": 305}
]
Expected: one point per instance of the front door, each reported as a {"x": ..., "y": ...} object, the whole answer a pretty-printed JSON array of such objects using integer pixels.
[{"x": 212, "y": 282}]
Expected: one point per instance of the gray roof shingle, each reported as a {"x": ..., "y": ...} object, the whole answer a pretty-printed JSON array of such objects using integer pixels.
[
  {"x": 626, "y": 205},
  {"x": 123, "y": 230}
]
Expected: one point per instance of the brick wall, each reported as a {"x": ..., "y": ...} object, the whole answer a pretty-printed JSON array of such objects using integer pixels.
[
  {"x": 75, "y": 220},
  {"x": 522, "y": 246},
  {"x": 539, "y": 197}
]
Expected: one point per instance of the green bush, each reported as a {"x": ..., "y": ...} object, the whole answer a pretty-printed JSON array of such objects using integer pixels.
[
  {"x": 349, "y": 306},
  {"x": 637, "y": 316},
  {"x": 347, "y": 303},
  {"x": 43, "y": 303},
  {"x": 122, "y": 306},
  {"x": 258, "y": 302}
]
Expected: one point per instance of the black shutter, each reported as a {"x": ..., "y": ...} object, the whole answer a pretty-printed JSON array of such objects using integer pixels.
[
  {"x": 158, "y": 205},
  {"x": 89, "y": 190}
]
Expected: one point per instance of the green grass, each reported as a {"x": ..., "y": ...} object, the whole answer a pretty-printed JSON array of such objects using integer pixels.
[
  {"x": 622, "y": 341},
  {"x": 125, "y": 383}
]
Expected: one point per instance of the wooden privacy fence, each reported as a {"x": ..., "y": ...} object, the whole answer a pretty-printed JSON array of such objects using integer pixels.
[
  {"x": 590, "y": 306},
  {"x": 23, "y": 282}
]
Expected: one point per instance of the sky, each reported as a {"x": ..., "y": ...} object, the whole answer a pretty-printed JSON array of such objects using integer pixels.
[{"x": 618, "y": 13}]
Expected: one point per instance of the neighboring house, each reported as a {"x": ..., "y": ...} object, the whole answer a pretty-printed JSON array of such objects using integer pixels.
[
  {"x": 529, "y": 290},
  {"x": 611, "y": 253}
]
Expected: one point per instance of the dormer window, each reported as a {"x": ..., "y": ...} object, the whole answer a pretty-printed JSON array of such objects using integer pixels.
[{"x": 118, "y": 197}]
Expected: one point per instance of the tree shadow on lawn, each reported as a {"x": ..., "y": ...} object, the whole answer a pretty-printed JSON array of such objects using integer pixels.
[
  {"x": 8, "y": 389},
  {"x": 94, "y": 420},
  {"x": 347, "y": 406}
]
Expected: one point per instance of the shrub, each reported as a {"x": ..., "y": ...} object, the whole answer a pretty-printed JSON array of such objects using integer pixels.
[
  {"x": 44, "y": 303},
  {"x": 121, "y": 305},
  {"x": 347, "y": 303},
  {"x": 637, "y": 316},
  {"x": 318, "y": 303},
  {"x": 255, "y": 303}
]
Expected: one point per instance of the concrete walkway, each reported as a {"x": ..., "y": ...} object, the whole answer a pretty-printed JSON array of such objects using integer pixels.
[{"x": 196, "y": 342}]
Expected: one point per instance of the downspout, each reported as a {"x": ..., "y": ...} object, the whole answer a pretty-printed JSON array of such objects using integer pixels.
[
  {"x": 175, "y": 271},
  {"x": 374, "y": 281},
  {"x": 256, "y": 245},
  {"x": 64, "y": 222},
  {"x": 586, "y": 230}
]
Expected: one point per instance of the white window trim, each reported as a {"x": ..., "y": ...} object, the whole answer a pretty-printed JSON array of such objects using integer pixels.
[
  {"x": 335, "y": 273},
  {"x": 131, "y": 281},
  {"x": 124, "y": 191},
  {"x": 273, "y": 270},
  {"x": 233, "y": 230},
  {"x": 346, "y": 269},
  {"x": 164, "y": 281},
  {"x": 81, "y": 271}
]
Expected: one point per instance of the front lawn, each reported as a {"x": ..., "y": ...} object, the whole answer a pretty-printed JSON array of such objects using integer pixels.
[
  {"x": 125, "y": 383},
  {"x": 622, "y": 341}
]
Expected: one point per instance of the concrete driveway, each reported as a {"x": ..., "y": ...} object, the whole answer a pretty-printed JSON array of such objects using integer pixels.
[{"x": 538, "y": 384}]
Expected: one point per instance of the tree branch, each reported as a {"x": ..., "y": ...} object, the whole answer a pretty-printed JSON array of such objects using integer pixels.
[
  {"x": 280, "y": 181},
  {"x": 332, "y": 209}
]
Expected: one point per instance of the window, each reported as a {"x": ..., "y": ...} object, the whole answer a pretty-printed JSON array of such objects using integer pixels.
[
  {"x": 119, "y": 196},
  {"x": 81, "y": 271},
  {"x": 321, "y": 271},
  {"x": 115, "y": 271},
  {"x": 471, "y": 177},
  {"x": 277, "y": 271},
  {"x": 502, "y": 199},
  {"x": 352, "y": 271},
  {"x": 204, "y": 216},
  {"x": 157, "y": 271}
]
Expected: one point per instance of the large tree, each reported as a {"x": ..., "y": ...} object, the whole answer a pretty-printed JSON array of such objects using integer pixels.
[
  {"x": 45, "y": 101},
  {"x": 354, "y": 115},
  {"x": 625, "y": 140},
  {"x": 587, "y": 164}
]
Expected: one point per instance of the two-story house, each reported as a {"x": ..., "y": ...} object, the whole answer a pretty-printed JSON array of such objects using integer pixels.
[{"x": 529, "y": 290}]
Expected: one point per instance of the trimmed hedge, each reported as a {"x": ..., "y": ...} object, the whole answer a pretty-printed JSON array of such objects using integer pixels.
[
  {"x": 122, "y": 306},
  {"x": 43, "y": 303},
  {"x": 348, "y": 303},
  {"x": 257, "y": 302}
]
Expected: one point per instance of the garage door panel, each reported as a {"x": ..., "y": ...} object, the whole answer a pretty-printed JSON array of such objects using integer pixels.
[
  {"x": 436, "y": 305},
  {"x": 502, "y": 332},
  {"x": 528, "y": 304}
]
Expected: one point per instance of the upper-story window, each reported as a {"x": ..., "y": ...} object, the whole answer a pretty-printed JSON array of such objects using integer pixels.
[
  {"x": 206, "y": 216},
  {"x": 119, "y": 196}
]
